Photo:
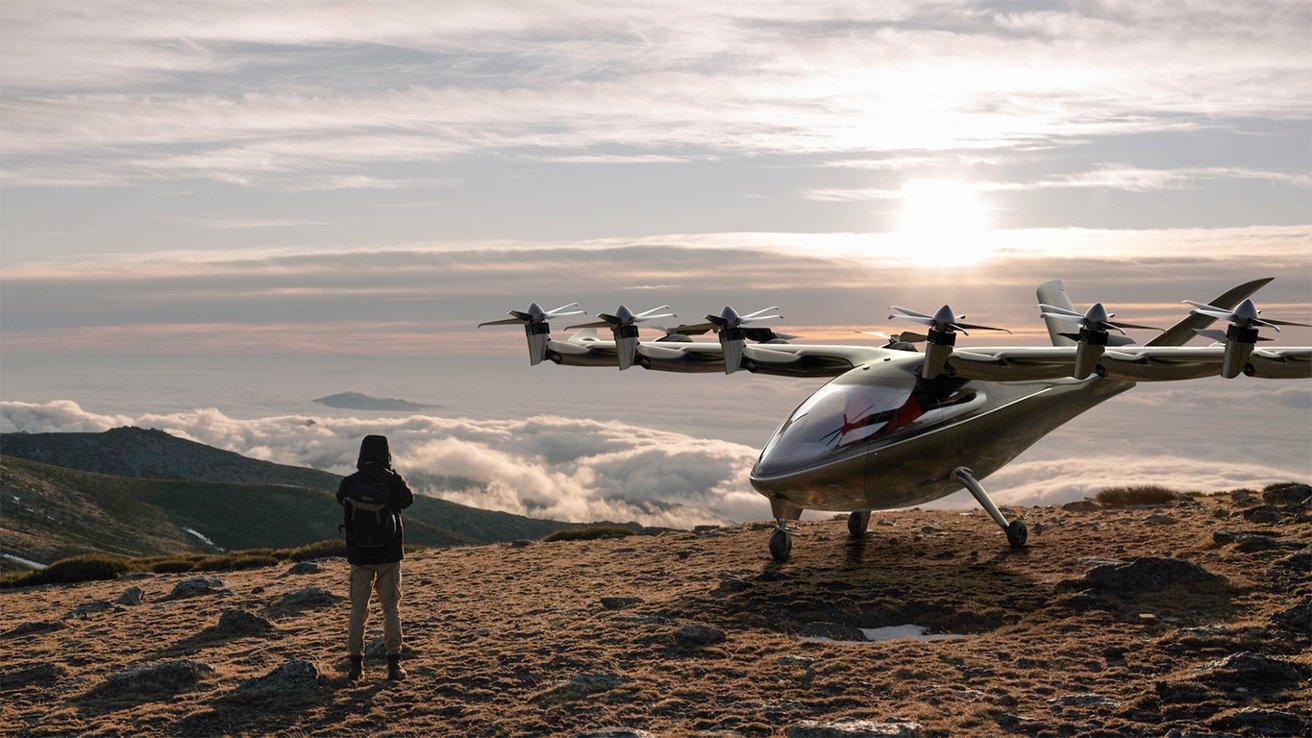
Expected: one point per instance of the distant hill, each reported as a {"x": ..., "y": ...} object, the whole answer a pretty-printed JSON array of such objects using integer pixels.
[
  {"x": 358, "y": 401},
  {"x": 154, "y": 454},
  {"x": 132, "y": 492}
]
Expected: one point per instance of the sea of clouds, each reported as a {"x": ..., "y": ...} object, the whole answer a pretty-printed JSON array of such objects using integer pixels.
[{"x": 583, "y": 470}]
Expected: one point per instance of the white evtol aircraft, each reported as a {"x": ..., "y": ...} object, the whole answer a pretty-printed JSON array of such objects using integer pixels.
[{"x": 897, "y": 428}]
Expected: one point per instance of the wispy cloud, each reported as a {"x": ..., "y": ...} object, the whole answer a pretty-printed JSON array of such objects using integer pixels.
[
  {"x": 1121, "y": 177},
  {"x": 436, "y": 83}
]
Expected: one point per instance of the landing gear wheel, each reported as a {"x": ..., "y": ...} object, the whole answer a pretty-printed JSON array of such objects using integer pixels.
[
  {"x": 857, "y": 523},
  {"x": 1017, "y": 534},
  {"x": 781, "y": 545}
]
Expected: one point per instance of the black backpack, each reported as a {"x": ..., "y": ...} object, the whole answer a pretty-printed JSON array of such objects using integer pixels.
[{"x": 369, "y": 522}]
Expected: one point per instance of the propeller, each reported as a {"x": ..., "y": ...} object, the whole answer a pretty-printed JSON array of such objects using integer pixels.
[
  {"x": 733, "y": 329},
  {"x": 898, "y": 341},
  {"x": 536, "y": 327},
  {"x": 624, "y": 326},
  {"x": 1093, "y": 337},
  {"x": 1241, "y": 336},
  {"x": 942, "y": 336}
]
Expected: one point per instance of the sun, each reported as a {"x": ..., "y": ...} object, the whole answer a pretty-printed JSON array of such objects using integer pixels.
[{"x": 943, "y": 223}]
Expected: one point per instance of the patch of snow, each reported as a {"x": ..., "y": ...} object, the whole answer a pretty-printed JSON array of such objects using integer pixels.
[
  {"x": 202, "y": 538},
  {"x": 889, "y": 633},
  {"x": 902, "y": 632},
  {"x": 23, "y": 562}
]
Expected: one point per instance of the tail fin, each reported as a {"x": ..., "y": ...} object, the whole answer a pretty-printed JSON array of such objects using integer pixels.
[
  {"x": 1181, "y": 332},
  {"x": 1054, "y": 293}
]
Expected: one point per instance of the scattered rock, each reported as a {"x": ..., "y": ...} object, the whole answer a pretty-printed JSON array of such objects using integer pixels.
[
  {"x": 131, "y": 596},
  {"x": 683, "y": 553},
  {"x": 521, "y": 543},
  {"x": 292, "y": 681},
  {"x": 620, "y": 603},
  {"x": 1081, "y": 506},
  {"x": 305, "y": 598},
  {"x": 1300, "y": 562},
  {"x": 696, "y": 635},
  {"x": 1148, "y": 618},
  {"x": 849, "y": 728},
  {"x": 1087, "y": 699},
  {"x": 1242, "y": 498},
  {"x": 1160, "y": 519},
  {"x": 35, "y": 626},
  {"x": 1114, "y": 655},
  {"x": 41, "y": 675},
  {"x": 1251, "y": 671},
  {"x": 1297, "y": 618},
  {"x": 1038, "y": 528},
  {"x": 1250, "y": 543},
  {"x": 1149, "y": 574},
  {"x": 580, "y": 686},
  {"x": 377, "y": 648},
  {"x": 240, "y": 622},
  {"x": 1293, "y": 495},
  {"x": 931, "y": 528},
  {"x": 614, "y": 733},
  {"x": 729, "y": 585},
  {"x": 195, "y": 587},
  {"x": 1262, "y": 514},
  {"x": 153, "y": 677},
  {"x": 1257, "y": 721},
  {"x": 88, "y": 609},
  {"x": 833, "y": 631},
  {"x": 805, "y": 661},
  {"x": 305, "y": 567}
]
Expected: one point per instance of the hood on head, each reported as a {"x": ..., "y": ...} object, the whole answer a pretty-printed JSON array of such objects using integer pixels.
[{"x": 373, "y": 450}]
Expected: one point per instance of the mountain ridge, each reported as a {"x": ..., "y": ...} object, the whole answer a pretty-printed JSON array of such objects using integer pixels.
[{"x": 132, "y": 491}]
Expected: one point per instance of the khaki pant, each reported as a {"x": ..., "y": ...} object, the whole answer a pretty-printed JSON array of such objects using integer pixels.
[{"x": 386, "y": 579}]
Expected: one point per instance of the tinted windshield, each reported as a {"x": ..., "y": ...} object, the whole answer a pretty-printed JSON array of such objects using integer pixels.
[{"x": 835, "y": 420}]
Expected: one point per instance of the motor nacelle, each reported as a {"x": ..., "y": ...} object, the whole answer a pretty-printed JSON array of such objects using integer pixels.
[{"x": 537, "y": 328}]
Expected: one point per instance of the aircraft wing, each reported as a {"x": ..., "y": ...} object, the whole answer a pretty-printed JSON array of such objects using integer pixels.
[
  {"x": 1131, "y": 363},
  {"x": 585, "y": 348}
]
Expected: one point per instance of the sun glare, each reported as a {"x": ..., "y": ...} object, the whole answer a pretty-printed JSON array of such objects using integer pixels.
[{"x": 943, "y": 224}]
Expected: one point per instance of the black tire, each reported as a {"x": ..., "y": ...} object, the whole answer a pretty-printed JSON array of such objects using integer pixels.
[
  {"x": 1017, "y": 534},
  {"x": 781, "y": 545},
  {"x": 857, "y": 523}
]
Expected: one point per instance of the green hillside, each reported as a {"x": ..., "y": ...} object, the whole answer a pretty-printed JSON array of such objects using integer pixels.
[{"x": 49, "y": 512}]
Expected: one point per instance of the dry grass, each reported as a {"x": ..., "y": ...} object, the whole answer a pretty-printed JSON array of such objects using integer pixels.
[
  {"x": 590, "y": 533},
  {"x": 495, "y": 636},
  {"x": 1140, "y": 495}
]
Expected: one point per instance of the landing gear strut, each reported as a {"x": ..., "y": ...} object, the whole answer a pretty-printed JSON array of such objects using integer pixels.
[
  {"x": 1016, "y": 532},
  {"x": 857, "y": 523},
  {"x": 781, "y": 541}
]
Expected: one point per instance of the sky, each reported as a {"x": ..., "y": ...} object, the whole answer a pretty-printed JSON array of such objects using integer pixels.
[{"x": 211, "y": 213}]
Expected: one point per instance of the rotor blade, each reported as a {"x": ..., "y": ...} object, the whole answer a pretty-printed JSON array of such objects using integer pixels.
[
  {"x": 1119, "y": 324},
  {"x": 1204, "y": 305},
  {"x": 648, "y": 313},
  {"x": 1070, "y": 317},
  {"x": 912, "y": 313},
  {"x": 1046, "y": 308},
  {"x": 757, "y": 314},
  {"x": 921, "y": 319},
  {"x": 747, "y": 321},
  {"x": 693, "y": 329},
  {"x": 506, "y": 321},
  {"x": 557, "y": 312},
  {"x": 597, "y": 324},
  {"x": 1213, "y": 313},
  {"x": 974, "y": 327},
  {"x": 1273, "y": 323}
]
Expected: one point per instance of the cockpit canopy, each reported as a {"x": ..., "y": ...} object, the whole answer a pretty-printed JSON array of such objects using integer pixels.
[{"x": 860, "y": 407}]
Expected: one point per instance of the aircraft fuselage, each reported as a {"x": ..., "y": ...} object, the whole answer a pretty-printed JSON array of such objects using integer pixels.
[{"x": 880, "y": 437}]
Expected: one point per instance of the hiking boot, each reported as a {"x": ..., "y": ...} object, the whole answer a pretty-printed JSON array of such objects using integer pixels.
[
  {"x": 394, "y": 670},
  {"x": 357, "y": 669}
]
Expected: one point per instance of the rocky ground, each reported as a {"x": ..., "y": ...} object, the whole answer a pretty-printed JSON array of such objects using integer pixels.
[{"x": 1174, "y": 620}]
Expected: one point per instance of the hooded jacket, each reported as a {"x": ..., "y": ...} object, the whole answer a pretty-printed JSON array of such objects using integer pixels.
[{"x": 375, "y": 463}]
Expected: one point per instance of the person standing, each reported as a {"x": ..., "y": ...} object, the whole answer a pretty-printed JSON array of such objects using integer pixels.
[{"x": 372, "y": 500}]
